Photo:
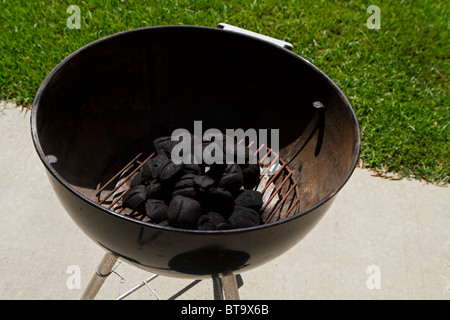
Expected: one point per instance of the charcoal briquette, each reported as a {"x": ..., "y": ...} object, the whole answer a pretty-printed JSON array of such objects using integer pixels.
[
  {"x": 164, "y": 146},
  {"x": 156, "y": 210},
  {"x": 186, "y": 181},
  {"x": 216, "y": 170},
  {"x": 250, "y": 174},
  {"x": 203, "y": 183},
  {"x": 231, "y": 178},
  {"x": 249, "y": 199},
  {"x": 192, "y": 168},
  {"x": 154, "y": 189},
  {"x": 219, "y": 200},
  {"x": 153, "y": 167},
  {"x": 135, "y": 198},
  {"x": 160, "y": 142},
  {"x": 185, "y": 186},
  {"x": 138, "y": 179},
  {"x": 184, "y": 212},
  {"x": 212, "y": 221},
  {"x": 187, "y": 192},
  {"x": 243, "y": 217},
  {"x": 170, "y": 172}
]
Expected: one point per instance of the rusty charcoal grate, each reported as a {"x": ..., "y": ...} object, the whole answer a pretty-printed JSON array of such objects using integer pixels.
[{"x": 276, "y": 183}]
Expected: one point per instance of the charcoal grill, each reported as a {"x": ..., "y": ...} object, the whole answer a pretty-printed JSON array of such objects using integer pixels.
[{"x": 96, "y": 114}]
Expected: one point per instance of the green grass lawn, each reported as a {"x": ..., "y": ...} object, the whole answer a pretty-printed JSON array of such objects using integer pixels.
[{"x": 396, "y": 77}]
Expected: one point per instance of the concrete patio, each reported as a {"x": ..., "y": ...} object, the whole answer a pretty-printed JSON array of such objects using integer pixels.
[{"x": 381, "y": 239}]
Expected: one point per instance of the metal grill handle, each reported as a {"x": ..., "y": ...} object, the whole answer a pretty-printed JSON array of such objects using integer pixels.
[{"x": 278, "y": 42}]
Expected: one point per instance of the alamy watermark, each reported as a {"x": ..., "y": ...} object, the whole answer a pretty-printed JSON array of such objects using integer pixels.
[
  {"x": 374, "y": 279},
  {"x": 374, "y": 21},
  {"x": 74, "y": 280},
  {"x": 74, "y": 21},
  {"x": 225, "y": 148}
]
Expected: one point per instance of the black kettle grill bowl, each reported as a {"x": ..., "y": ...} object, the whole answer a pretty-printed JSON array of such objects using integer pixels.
[{"x": 108, "y": 100}]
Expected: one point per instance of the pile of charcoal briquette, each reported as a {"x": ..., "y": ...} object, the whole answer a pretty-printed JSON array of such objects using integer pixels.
[{"x": 195, "y": 196}]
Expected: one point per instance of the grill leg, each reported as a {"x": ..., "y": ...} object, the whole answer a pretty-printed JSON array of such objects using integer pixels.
[
  {"x": 217, "y": 288},
  {"x": 103, "y": 271},
  {"x": 230, "y": 287},
  {"x": 226, "y": 287}
]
